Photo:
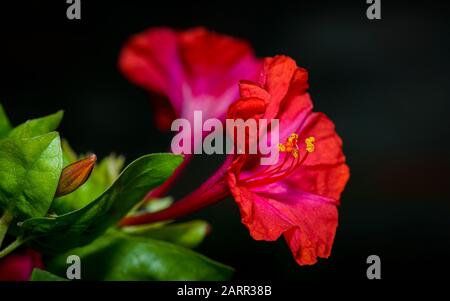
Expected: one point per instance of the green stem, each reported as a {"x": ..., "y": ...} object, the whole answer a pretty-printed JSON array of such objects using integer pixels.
[
  {"x": 11, "y": 247},
  {"x": 5, "y": 220}
]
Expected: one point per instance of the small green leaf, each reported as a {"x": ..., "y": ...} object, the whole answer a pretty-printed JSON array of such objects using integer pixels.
[
  {"x": 41, "y": 275},
  {"x": 154, "y": 205},
  {"x": 117, "y": 256},
  {"x": 5, "y": 126},
  {"x": 69, "y": 154},
  {"x": 29, "y": 174},
  {"x": 38, "y": 126},
  {"x": 189, "y": 234},
  {"x": 77, "y": 228},
  {"x": 158, "y": 204}
]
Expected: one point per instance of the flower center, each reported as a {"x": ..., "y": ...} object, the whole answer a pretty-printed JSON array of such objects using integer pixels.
[{"x": 291, "y": 162}]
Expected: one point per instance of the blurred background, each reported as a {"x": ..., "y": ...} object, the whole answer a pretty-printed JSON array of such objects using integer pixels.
[{"x": 385, "y": 83}]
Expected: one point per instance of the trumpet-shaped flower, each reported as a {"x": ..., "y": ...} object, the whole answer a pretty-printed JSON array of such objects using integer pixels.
[{"x": 194, "y": 69}]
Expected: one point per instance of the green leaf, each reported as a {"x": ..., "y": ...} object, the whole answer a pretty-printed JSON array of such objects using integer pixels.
[
  {"x": 29, "y": 174},
  {"x": 5, "y": 126},
  {"x": 158, "y": 204},
  {"x": 80, "y": 227},
  {"x": 103, "y": 175},
  {"x": 116, "y": 256},
  {"x": 38, "y": 126},
  {"x": 69, "y": 154},
  {"x": 189, "y": 234},
  {"x": 41, "y": 275}
]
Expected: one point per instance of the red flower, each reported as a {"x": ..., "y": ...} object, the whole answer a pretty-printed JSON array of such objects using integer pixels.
[
  {"x": 18, "y": 266},
  {"x": 298, "y": 196},
  {"x": 195, "y": 69}
]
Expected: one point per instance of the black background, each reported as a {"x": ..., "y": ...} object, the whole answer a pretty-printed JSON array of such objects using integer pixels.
[{"x": 385, "y": 83}]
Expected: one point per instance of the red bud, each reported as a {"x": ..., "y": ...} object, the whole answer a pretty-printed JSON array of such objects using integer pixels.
[{"x": 75, "y": 175}]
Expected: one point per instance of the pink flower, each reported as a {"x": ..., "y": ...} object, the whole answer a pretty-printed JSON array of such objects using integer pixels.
[
  {"x": 194, "y": 69},
  {"x": 18, "y": 266}
]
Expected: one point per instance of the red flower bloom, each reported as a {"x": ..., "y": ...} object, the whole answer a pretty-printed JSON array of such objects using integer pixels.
[
  {"x": 195, "y": 69},
  {"x": 298, "y": 196},
  {"x": 18, "y": 266}
]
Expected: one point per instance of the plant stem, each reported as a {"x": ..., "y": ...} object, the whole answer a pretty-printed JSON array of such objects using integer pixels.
[
  {"x": 213, "y": 190},
  {"x": 5, "y": 220},
  {"x": 11, "y": 247}
]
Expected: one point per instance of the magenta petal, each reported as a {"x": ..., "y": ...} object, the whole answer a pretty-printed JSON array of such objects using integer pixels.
[
  {"x": 151, "y": 60},
  {"x": 307, "y": 221},
  {"x": 195, "y": 69},
  {"x": 18, "y": 266}
]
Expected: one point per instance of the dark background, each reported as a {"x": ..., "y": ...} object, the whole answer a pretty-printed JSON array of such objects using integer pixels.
[{"x": 385, "y": 83}]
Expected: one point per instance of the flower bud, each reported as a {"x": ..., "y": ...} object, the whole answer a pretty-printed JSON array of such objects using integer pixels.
[{"x": 75, "y": 175}]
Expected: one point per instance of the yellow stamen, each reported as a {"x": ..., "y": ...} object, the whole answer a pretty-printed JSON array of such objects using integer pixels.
[
  {"x": 310, "y": 144},
  {"x": 290, "y": 146}
]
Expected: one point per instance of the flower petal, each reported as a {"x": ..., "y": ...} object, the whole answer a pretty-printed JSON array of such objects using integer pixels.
[
  {"x": 314, "y": 237},
  {"x": 251, "y": 89},
  {"x": 293, "y": 114},
  {"x": 264, "y": 221},
  {"x": 195, "y": 69},
  {"x": 246, "y": 108},
  {"x": 214, "y": 62},
  {"x": 324, "y": 172},
  {"x": 18, "y": 266},
  {"x": 151, "y": 60},
  {"x": 278, "y": 76},
  {"x": 307, "y": 221}
]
